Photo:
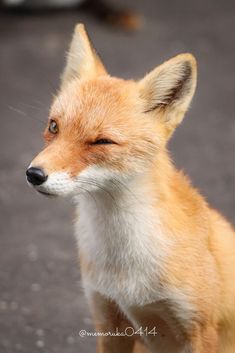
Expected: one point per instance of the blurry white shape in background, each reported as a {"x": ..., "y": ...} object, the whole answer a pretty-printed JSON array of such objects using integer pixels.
[{"x": 42, "y": 3}]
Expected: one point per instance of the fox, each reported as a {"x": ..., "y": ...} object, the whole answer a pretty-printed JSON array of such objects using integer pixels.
[{"x": 157, "y": 262}]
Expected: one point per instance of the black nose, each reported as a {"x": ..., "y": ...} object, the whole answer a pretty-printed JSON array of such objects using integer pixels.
[{"x": 36, "y": 176}]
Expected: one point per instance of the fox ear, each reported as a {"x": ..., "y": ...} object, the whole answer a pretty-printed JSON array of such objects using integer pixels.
[
  {"x": 82, "y": 59},
  {"x": 169, "y": 89}
]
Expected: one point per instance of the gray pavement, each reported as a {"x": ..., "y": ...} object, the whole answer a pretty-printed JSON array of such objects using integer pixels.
[{"x": 42, "y": 306}]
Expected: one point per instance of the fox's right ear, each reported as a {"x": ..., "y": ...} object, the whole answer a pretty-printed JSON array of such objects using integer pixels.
[{"x": 82, "y": 59}]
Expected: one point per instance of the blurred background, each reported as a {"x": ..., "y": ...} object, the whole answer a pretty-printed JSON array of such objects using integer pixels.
[{"x": 42, "y": 307}]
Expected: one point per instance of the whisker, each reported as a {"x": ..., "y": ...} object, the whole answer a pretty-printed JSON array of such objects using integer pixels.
[
  {"x": 90, "y": 194},
  {"x": 39, "y": 102},
  {"x": 109, "y": 193},
  {"x": 22, "y": 113},
  {"x": 30, "y": 106},
  {"x": 94, "y": 183}
]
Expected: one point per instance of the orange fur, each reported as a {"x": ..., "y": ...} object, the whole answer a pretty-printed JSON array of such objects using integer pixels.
[{"x": 199, "y": 272}]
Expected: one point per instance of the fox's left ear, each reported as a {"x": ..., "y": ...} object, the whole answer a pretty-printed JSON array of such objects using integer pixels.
[
  {"x": 82, "y": 59},
  {"x": 167, "y": 91}
]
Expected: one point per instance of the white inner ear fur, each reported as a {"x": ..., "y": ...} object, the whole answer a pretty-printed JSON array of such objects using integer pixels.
[{"x": 170, "y": 87}]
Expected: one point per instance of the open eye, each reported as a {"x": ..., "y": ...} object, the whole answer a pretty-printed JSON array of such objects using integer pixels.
[
  {"x": 103, "y": 142},
  {"x": 53, "y": 127}
]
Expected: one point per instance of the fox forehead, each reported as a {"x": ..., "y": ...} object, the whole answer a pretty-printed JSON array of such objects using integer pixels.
[{"x": 105, "y": 98}]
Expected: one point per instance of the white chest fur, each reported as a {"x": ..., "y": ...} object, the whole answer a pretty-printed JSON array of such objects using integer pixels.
[{"x": 121, "y": 236}]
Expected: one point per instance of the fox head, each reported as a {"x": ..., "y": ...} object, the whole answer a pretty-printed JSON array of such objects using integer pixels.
[{"x": 101, "y": 128}]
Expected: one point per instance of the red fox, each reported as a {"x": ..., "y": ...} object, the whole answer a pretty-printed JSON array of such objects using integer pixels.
[{"x": 154, "y": 256}]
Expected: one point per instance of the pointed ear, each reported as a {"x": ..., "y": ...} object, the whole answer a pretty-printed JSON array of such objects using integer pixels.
[
  {"x": 82, "y": 59},
  {"x": 167, "y": 91}
]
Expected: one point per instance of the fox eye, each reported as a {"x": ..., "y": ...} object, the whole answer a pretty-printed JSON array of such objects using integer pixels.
[
  {"x": 103, "y": 142},
  {"x": 53, "y": 127}
]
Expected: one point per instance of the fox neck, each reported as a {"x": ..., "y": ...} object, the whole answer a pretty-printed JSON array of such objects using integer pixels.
[
  {"x": 121, "y": 196},
  {"x": 111, "y": 220},
  {"x": 122, "y": 239}
]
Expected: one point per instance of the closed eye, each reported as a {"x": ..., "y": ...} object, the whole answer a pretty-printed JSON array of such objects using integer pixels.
[{"x": 103, "y": 142}]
